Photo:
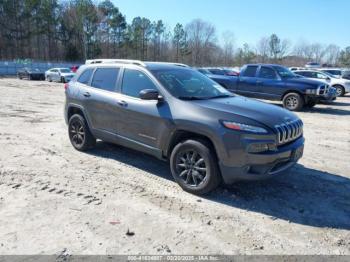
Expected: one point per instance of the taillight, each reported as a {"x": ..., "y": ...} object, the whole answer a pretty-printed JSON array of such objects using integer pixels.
[{"x": 66, "y": 86}]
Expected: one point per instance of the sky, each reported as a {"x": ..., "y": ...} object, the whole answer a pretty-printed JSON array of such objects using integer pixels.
[{"x": 324, "y": 21}]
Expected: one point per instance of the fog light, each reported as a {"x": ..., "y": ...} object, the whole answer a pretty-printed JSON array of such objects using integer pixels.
[{"x": 258, "y": 147}]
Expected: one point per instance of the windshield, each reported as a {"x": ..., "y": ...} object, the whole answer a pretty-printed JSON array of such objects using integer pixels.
[
  {"x": 189, "y": 84},
  {"x": 65, "y": 70},
  {"x": 284, "y": 72}
]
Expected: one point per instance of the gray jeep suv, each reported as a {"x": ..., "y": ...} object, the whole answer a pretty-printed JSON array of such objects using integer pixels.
[{"x": 177, "y": 114}]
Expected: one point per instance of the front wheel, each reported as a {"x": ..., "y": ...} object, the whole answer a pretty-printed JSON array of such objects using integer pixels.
[
  {"x": 293, "y": 102},
  {"x": 79, "y": 133},
  {"x": 340, "y": 91},
  {"x": 62, "y": 79},
  {"x": 194, "y": 167}
]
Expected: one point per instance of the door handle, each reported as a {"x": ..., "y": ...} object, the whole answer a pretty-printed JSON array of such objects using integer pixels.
[
  {"x": 122, "y": 103},
  {"x": 86, "y": 94}
]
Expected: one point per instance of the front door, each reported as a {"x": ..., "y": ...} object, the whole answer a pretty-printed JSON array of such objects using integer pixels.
[
  {"x": 270, "y": 85},
  {"x": 141, "y": 121}
]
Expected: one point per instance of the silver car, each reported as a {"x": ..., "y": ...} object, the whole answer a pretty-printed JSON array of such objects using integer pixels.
[
  {"x": 62, "y": 75},
  {"x": 341, "y": 85}
]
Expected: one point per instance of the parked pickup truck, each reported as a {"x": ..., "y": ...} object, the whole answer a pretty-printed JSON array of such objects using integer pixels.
[{"x": 275, "y": 82}]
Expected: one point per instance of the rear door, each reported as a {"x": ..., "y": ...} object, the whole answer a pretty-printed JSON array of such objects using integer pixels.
[
  {"x": 100, "y": 99},
  {"x": 247, "y": 82},
  {"x": 141, "y": 121},
  {"x": 270, "y": 85}
]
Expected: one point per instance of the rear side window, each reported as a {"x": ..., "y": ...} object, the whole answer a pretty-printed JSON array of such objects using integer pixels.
[
  {"x": 134, "y": 81},
  {"x": 266, "y": 72},
  {"x": 217, "y": 72},
  {"x": 105, "y": 78},
  {"x": 85, "y": 77},
  {"x": 250, "y": 71},
  {"x": 306, "y": 74}
]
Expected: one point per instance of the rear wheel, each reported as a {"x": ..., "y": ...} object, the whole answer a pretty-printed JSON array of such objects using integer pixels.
[
  {"x": 79, "y": 133},
  {"x": 293, "y": 102},
  {"x": 194, "y": 167},
  {"x": 340, "y": 91}
]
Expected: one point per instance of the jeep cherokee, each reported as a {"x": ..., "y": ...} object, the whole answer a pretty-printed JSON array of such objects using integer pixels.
[{"x": 177, "y": 114}]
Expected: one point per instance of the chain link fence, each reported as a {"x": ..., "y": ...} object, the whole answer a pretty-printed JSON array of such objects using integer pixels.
[{"x": 10, "y": 68}]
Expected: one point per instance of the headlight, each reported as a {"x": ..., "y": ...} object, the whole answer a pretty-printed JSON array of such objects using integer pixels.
[
  {"x": 243, "y": 127},
  {"x": 311, "y": 91}
]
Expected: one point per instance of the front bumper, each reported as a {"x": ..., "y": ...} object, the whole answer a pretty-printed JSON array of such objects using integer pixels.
[{"x": 260, "y": 166}]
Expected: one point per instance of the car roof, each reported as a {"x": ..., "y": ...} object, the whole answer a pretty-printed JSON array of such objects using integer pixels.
[
  {"x": 133, "y": 63},
  {"x": 264, "y": 65}
]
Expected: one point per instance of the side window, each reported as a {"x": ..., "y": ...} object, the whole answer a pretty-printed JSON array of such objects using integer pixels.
[
  {"x": 84, "y": 78},
  {"x": 266, "y": 72},
  {"x": 134, "y": 81},
  {"x": 250, "y": 71},
  {"x": 217, "y": 72},
  {"x": 105, "y": 78},
  {"x": 321, "y": 76}
]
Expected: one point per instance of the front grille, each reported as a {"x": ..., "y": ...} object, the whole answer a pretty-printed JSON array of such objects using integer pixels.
[
  {"x": 323, "y": 89},
  {"x": 289, "y": 131}
]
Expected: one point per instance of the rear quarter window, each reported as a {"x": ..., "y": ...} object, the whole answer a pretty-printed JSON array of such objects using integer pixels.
[
  {"x": 105, "y": 78},
  {"x": 85, "y": 77}
]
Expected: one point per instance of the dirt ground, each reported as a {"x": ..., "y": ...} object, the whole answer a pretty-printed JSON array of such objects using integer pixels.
[{"x": 54, "y": 199}]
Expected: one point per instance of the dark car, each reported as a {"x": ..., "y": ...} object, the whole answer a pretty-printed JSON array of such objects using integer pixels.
[
  {"x": 31, "y": 74},
  {"x": 179, "y": 115},
  {"x": 275, "y": 82}
]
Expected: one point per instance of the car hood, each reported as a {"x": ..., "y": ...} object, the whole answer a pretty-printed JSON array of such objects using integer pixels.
[
  {"x": 266, "y": 114},
  {"x": 304, "y": 80}
]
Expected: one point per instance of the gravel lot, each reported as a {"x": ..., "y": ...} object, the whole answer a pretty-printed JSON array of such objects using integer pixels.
[{"x": 56, "y": 200}]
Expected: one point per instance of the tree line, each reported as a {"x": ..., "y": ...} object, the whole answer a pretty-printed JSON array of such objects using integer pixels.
[{"x": 76, "y": 30}]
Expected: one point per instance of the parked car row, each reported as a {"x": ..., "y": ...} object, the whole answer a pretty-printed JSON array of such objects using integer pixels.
[{"x": 62, "y": 75}]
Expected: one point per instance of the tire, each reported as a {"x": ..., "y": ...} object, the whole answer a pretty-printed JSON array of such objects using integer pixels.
[
  {"x": 79, "y": 133},
  {"x": 19, "y": 77},
  {"x": 194, "y": 167},
  {"x": 310, "y": 104},
  {"x": 62, "y": 79},
  {"x": 293, "y": 102},
  {"x": 339, "y": 90},
  {"x": 49, "y": 79}
]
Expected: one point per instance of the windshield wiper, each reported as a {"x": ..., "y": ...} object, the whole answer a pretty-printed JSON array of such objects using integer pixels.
[
  {"x": 191, "y": 98},
  {"x": 219, "y": 96}
]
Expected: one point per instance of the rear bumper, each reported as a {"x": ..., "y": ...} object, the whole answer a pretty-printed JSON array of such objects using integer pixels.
[{"x": 264, "y": 165}]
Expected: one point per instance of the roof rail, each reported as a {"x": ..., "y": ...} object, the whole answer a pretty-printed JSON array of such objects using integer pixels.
[
  {"x": 109, "y": 61},
  {"x": 169, "y": 63}
]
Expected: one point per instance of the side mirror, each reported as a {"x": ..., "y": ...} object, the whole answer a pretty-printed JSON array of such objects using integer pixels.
[{"x": 149, "y": 94}]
